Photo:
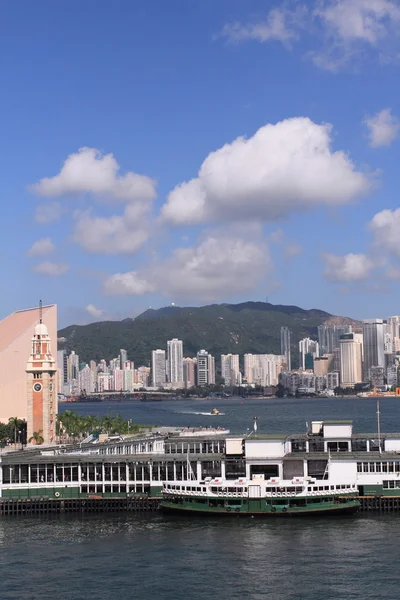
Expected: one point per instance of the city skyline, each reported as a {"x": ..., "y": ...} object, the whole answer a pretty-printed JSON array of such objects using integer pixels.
[{"x": 215, "y": 186}]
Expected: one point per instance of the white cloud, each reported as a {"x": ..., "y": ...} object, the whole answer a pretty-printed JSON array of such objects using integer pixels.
[
  {"x": 90, "y": 171},
  {"x": 340, "y": 30},
  {"x": 127, "y": 284},
  {"x": 118, "y": 234},
  {"x": 293, "y": 249},
  {"x": 282, "y": 168},
  {"x": 385, "y": 227},
  {"x": 383, "y": 128},
  {"x": 355, "y": 20},
  {"x": 94, "y": 312},
  {"x": 42, "y": 247},
  {"x": 51, "y": 269},
  {"x": 278, "y": 25},
  {"x": 222, "y": 264},
  {"x": 348, "y": 268},
  {"x": 47, "y": 213}
]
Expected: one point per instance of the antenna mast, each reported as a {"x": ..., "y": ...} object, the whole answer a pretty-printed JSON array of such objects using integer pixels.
[{"x": 40, "y": 312}]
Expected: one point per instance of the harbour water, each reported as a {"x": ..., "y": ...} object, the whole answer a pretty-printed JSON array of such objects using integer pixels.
[{"x": 146, "y": 556}]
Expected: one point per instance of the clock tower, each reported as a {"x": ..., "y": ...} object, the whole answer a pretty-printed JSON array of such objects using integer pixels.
[{"x": 42, "y": 385}]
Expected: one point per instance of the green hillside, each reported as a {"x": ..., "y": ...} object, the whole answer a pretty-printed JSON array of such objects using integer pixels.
[{"x": 219, "y": 328}]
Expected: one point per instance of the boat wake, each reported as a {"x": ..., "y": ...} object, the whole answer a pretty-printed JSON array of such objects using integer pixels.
[{"x": 204, "y": 414}]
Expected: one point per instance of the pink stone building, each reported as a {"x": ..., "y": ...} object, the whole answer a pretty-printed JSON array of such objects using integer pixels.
[{"x": 16, "y": 333}]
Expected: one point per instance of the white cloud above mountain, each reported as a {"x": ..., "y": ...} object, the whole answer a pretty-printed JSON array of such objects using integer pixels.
[
  {"x": 385, "y": 228},
  {"x": 89, "y": 171},
  {"x": 117, "y": 234},
  {"x": 383, "y": 128},
  {"x": 220, "y": 265},
  {"x": 283, "y": 168},
  {"x": 348, "y": 267},
  {"x": 42, "y": 247},
  {"x": 94, "y": 312}
]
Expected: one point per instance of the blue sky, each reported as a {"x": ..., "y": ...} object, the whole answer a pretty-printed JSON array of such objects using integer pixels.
[{"x": 188, "y": 151}]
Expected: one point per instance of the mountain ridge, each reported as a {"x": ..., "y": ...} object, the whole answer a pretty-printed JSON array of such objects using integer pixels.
[{"x": 219, "y": 328}]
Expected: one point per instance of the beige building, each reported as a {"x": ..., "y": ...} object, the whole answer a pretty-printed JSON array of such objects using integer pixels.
[
  {"x": 323, "y": 364},
  {"x": 16, "y": 333},
  {"x": 351, "y": 355}
]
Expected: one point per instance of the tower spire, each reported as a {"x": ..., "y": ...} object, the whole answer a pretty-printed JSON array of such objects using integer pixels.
[{"x": 40, "y": 312}]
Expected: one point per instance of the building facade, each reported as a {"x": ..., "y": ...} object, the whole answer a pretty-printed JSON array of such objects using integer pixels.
[
  {"x": 351, "y": 352},
  {"x": 15, "y": 347},
  {"x": 285, "y": 347},
  {"x": 175, "y": 361},
  {"x": 230, "y": 372},
  {"x": 158, "y": 368},
  {"x": 373, "y": 345}
]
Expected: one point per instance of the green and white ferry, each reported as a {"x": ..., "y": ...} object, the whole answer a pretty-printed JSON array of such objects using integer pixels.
[{"x": 273, "y": 497}]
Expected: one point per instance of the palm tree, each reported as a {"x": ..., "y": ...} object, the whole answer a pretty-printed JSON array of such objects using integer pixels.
[
  {"x": 37, "y": 437},
  {"x": 14, "y": 424}
]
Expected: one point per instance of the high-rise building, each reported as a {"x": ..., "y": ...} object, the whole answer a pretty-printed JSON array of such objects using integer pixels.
[
  {"x": 230, "y": 369},
  {"x": 73, "y": 366},
  {"x": 308, "y": 350},
  {"x": 86, "y": 381},
  {"x": 263, "y": 369},
  {"x": 329, "y": 337},
  {"x": 211, "y": 370},
  {"x": 323, "y": 364},
  {"x": 373, "y": 345},
  {"x": 351, "y": 345},
  {"x": 189, "y": 372},
  {"x": 158, "y": 368},
  {"x": 15, "y": 346},
  {"x": 41, "y": 369},
  {"x": 285, "y": 347},
  {"x": 123, "y": 357},
  {"x": 205, "y": 368},
  {"x": 175, "y": 361}
]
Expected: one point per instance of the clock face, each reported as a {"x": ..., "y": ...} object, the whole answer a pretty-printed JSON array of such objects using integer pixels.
[{"x": 37, "y": 387}]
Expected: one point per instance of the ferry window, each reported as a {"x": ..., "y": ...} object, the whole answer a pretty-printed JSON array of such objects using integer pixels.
[
  {"x": 372, "y": 467},
  {"x": 384, "y": 468},
  {"x": 359, "y": 467},
  {"x": 359, "y": 445},
  {"x": 326, "y": 487},
  {"x": 122, "y": 488},
  {"x": 332, "y": 487},
  {"x": 390, "y": 467},
  {"x": 298, "y": 446},
  {"x": 397, "y": 466},
  {"x": 84, "y": 489},
  {"x": 365, "y": 467},
  {"x": 170, "y": 471},
  {"x": 310, "y": 489}
]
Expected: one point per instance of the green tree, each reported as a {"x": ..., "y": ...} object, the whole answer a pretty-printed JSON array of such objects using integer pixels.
[
  {"x": 14, "y": 424},
  {"x": 37, "y": 437}
]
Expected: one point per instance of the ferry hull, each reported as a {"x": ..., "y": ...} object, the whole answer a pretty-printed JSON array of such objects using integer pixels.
[{"x": 349, "y": 506}]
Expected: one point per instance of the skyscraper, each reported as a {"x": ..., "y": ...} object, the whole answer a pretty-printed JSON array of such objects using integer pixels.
[
  {"x": 285, "y": 347},
  {"x": 373, "y": 345},
  {"x": 189, "y": 372},
  {"x": 205, "y": 368},
  {"x": 158, "y": 370},
  {"x": 123, "y": 357},
  {"x": 175, "y": 361},
  {"x": 350, "y": 359},
  {"x": 230, "y": 369},
  {"x": 329, "y": 337},
  {"x": 308, "y": 350}
]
